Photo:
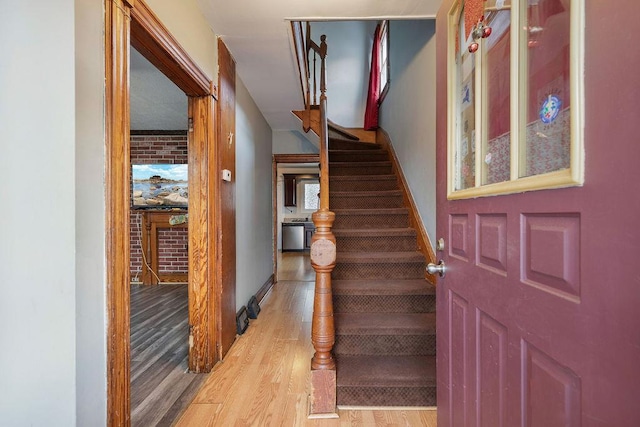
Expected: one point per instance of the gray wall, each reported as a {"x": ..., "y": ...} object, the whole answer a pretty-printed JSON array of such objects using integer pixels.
[
  {"x": 294, "y": 142},
  {"x": 408, "y": 112},
  {"x": 348, "y": 62},
  {"x": 254, "y": 224},
  {"x": 38, "y": 193},
  {"x": 52, "y": 236},
  {"x": 90, "y": 304}
]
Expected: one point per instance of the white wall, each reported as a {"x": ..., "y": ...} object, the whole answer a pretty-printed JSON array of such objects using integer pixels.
[
  {"x": 293, "y": 142},
  {"x": 37, "y": 231},
  {"x": 254, "y": 223},
  {"x": 90, "y": 283},
  {"x": 348, "y": 63},
  {"x": 408, "y": 112}
]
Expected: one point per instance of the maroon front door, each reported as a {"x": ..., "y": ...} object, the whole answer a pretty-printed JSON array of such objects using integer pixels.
[{"x": 539, "y": 310}]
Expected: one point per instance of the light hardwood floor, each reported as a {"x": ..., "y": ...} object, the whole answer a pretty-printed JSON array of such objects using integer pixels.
[
  {"x": 263, "y": 380},
  {"x": 295, "y": 266}
]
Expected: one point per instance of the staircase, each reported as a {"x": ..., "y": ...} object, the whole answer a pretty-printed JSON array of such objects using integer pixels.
[{"x": 384, "y": 309}]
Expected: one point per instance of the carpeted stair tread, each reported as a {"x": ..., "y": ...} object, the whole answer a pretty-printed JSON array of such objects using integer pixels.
[
  {"x": 386, "y": 371},
  {"x": 359, "y": 164},
  {"x": 338, "y": 151},
  {"x": 358, "y": 155},
  {"x": 364, "y": 212},
  {"x": 362, "y": 177},
  {"x": 356, "y": 182},
  {"x": 385, "y": 323},
  {"x": 379, "y": 257},
  {"x": 366, "y": 199},
  {"x": 367, "y": 193},
  {"x": 383, "y": 287},
  {"x": 380, "y": 232},
  {"x": 348, "y": 144}
]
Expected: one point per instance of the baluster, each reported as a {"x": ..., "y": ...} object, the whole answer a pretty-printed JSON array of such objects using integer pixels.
[{"x": 315, "y": 85}]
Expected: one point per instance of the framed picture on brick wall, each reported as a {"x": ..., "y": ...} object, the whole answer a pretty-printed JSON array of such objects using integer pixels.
[{"x": 159, "y": 186}]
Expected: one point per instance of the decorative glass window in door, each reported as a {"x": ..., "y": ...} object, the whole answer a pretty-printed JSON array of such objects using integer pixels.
[
  {"x": 515, "y": 119},
  {"x": 547, "y": 115}
]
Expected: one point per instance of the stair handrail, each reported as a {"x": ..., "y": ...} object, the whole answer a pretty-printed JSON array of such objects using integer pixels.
[{"x": 323, "y": 243}]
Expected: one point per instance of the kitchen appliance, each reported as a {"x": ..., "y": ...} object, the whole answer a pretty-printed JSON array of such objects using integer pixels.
[{"x": 292, "y": 236}]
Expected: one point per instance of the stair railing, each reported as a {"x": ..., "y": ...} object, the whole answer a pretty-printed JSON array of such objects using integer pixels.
[{"x": 323, "y": 244}]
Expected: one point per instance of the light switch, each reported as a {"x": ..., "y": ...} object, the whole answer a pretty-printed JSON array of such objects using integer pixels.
[{"x": 226, "y": 175}]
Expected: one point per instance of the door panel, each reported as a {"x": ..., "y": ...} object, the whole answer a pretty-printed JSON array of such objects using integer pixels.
[
  {"x": 227, "y": 197},
  {"x": 551, "y": 392},
  {"x": 490, "y": 370},
  {"x": 491, "y": 238},
  {"x": 538, "y": 314},
  {"x": 459, "y": 362}
]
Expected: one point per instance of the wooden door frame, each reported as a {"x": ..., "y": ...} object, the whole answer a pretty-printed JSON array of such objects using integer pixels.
[
  {"x": 283, "y": 158},
  {"x": 132, "y": 22}
]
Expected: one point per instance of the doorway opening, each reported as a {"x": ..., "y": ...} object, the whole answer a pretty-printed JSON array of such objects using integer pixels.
[
  {"x": 295, "y": 177},
  {"x": 159, "y": 307},
  {"x": 125, "y": 24}
]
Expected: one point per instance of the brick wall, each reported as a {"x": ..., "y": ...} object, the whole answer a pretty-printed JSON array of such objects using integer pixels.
[
  {"x": 172, "y": 243},
  {"x": 172, "y": 250}
]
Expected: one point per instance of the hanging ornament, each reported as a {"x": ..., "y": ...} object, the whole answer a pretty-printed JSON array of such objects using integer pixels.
[{"x": 480, "y": 31}]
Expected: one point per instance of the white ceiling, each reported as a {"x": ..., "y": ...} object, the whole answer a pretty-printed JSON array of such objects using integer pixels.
[
  {"x": 258, "y": 34},
  {"x": 156, "y": 103}
]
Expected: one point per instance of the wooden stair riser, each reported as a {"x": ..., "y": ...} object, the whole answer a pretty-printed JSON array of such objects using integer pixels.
[
  {"x": 376, "y": 243},
  {"x": 384, "y": 303},
  {"x": 359, "y": 156},
  {"x": 361, "y": 168},
  {"x": 386, "y": 396},
  {"x": 379, "y": 270},
  {"x": 393, "y": 345},
  {"x": 381, "y": 220},
  {"x": 365, "y": 202}
]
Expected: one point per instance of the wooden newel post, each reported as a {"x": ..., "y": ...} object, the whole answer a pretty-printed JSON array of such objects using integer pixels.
[
  {"x": 323, "y": 260},
  {"x": 322, "y": 399}
]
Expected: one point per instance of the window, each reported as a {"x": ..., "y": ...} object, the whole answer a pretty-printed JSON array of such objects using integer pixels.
[
  {"x": 310, "y": 196},
  {"x": 515, "y": 97},
  {"x": 384, "y": 60}
]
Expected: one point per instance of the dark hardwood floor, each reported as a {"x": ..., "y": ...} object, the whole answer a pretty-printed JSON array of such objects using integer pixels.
[{"x": 161, "y": 387}]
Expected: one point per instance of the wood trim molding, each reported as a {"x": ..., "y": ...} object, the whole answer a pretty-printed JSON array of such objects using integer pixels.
[
  {"x": 296, "y": 158},
  {"x": 265, "y": 288},
  {"x": 424, "y": 243},
  {"x": 203, "y": 338},
  {"x": 225, "y": 193},
  {"x": 152, "y": 39},
  {"x": 117, "y": 21}
]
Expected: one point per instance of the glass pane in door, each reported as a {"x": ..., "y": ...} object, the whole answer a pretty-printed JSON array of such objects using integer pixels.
[
  {"x": 496, "y": 51},
  {"x": 465, "y": 150},
  {"x": 547, "y": 117}
]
